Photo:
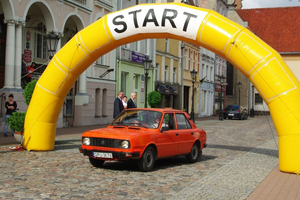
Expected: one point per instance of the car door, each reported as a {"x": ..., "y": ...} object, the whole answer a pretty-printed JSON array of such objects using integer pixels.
[
  {"x": 167, "y": 142},
  {"x": 185, "y": 134}
]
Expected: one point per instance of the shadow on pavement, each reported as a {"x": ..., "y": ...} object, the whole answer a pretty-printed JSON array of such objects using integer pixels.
[
  {"x": 269, "y": 152},
  {"x": 66, "y": 144}
]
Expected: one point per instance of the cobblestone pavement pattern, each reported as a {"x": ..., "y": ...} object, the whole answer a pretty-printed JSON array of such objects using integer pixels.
[{"x": 240, "y": 154}]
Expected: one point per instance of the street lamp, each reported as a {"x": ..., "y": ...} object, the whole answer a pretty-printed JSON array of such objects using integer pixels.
[
  {"x": 240, "y": 87},
  {"x": 252, "y": 110},
  {"x": 182, "y": 45},
  {"x": 193, "y": 75},
  {"x": 146, "y": 63},
  {"x": 52, "y": 40},
  {"x": 221, "y": 110}
]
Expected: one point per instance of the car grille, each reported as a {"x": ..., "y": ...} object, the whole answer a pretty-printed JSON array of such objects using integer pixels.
[{"x": 105, "y": 142}]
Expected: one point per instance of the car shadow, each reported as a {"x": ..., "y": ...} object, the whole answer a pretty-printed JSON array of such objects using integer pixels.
[
  {"x": 269, "y": 152},
  {"x": 165, "y": 163}
]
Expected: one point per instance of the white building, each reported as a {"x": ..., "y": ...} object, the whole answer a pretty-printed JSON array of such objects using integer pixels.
[{"x": 24, "y": 28}]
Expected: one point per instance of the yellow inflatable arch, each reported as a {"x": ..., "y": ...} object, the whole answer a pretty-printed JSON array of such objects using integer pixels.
[{"x": 255, "y": 59}]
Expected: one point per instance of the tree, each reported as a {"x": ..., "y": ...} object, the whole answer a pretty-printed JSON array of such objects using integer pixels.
[{"x": 154, "y": 99}]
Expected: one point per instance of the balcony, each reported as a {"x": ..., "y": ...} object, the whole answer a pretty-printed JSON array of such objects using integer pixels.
[{"x": 80, "y": 2}]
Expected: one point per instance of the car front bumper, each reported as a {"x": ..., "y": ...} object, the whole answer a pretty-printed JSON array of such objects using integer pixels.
[{"x": 116, "y": 155}]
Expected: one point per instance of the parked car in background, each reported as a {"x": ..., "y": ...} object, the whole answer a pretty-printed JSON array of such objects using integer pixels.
[
  {"x": 145, "y": 135},
  {"x": 235, "y": 111}
]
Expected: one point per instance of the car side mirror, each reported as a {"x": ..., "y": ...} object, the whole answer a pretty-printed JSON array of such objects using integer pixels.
[{"x": 164, "y": 128}]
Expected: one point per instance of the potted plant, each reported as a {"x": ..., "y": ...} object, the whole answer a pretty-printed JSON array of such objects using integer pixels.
[
  {"x": 16, "y": 123},
  {"x": 16, "y": 120},
  {"x": 154, "y": 99}
]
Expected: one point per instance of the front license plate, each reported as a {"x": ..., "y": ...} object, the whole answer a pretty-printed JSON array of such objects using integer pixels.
[
  {"x": 102, "y": 155},
  {"x": 230, "y": 114}
]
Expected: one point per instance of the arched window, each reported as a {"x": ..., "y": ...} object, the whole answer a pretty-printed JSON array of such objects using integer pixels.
[
  {"x": 104, "y": 103},
  {"x": 98, "y": 103}
]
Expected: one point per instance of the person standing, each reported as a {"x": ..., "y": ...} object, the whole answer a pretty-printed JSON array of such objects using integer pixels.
[
  {"x": 124, "y": 101},
  {"x": 30, "y": 70},
  {"x": 118, "y": 105},
  {"x": 131, "y": 102},
  {"x": 11, "y": 107}
]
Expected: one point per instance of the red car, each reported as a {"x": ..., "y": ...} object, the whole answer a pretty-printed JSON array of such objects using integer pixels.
[{"x": 145, "y": 135}]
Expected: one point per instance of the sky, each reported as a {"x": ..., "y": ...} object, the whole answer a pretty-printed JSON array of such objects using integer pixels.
[{"x": 247, "y": 4}]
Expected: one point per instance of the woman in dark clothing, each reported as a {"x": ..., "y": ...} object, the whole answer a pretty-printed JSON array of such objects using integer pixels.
[{"x": 10, "y": 106}]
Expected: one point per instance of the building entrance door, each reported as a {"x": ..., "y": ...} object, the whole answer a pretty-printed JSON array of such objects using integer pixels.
[{"x": 186, "y": 99}]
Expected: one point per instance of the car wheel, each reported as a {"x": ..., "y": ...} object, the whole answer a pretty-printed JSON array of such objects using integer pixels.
[
  {"x": 96, "y": 162},
  {"x": 146, "y": 162},
  {"x": 194, "y": 154},
  {"x": 224, "y": 117}
]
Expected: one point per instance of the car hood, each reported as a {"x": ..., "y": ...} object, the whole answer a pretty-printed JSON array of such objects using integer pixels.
[{"x": 115, "y": 132}]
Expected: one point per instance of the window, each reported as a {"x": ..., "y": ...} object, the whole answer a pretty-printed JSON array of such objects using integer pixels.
[
  {"x": 123, "y": 82},
  {"x": 258, "y": 99},
  {"x": 182, "y": 122},
  {"x": 167, "y": 45},
  {"x": 69, "y": 104},
  {"x": 185, "y": 59},
  {"x": 211, "y": 78},
  {"x": 156, "y": 72},
  {"x": 174, "y": 75},
  {"x": 97, "y": 102},
  {"x": 103, "y": 60},
  {"x": 166, "y": 74},
  {"x": 104, "y": 103},
  {"x": 40, "y": 42},
  {"x": 229, "y": 79},
  {"x": 146, "y": 46},
  {"x": 169, "y": 121},
  {"x": 190, "y": 59}
]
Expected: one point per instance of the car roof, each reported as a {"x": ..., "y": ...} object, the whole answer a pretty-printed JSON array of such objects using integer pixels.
[{"x": 164, "y": 110}]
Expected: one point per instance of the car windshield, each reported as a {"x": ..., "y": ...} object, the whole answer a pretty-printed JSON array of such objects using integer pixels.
[
  {"x": 138, "y": 118},
  {"x": 232, "y": 107}
]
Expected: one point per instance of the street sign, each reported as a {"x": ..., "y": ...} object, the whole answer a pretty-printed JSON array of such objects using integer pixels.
[
  {"x": 27, "y": 55},
  {"x": 27, "y": 45}
]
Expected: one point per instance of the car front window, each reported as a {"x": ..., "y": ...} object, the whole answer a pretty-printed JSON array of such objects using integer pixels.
[{"x": 139, "y": 118}]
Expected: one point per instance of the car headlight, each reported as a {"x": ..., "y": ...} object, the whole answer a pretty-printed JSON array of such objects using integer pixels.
[
  {"x": 125, "y": 144},
  {"x": 86, "y": 141}
]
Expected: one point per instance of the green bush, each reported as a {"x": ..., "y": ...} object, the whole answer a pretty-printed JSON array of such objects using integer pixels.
[
  {"x": 16, "y": 121},
  {"x": 154, "y": 99},
  {"x": 29, "y": 90}
]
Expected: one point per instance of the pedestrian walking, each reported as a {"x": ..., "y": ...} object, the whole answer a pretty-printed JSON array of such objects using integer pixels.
[
  {"x": 131, "y": 102},
  {"x": 118, "y": 105},
  {"x": 11, "y": 107}
]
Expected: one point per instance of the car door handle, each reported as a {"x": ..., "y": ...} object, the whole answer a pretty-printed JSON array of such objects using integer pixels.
[
  {"x": 192, "y": 133},
  {"x": 176, "y": 134}
]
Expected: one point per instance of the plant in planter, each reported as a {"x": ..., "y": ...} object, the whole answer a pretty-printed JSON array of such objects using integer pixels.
[
  {"x": 16, "y": 123},
  {"x": 29, "y": 90},
  {"x": 17, "y": 119},
  {"x": 154, "y": 99}
]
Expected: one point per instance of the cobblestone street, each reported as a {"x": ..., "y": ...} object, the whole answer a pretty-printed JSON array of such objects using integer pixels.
[{"x": 240, "y": 154}]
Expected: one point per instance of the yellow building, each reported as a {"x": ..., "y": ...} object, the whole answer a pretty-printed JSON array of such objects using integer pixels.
[{"x": 168, "y": 79}]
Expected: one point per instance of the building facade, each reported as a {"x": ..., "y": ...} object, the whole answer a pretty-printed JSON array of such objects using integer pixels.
[
  {"x": 130, "y": 69},
  {"x": 280, "y": 35},
  {"x": 25, "y": 26}
]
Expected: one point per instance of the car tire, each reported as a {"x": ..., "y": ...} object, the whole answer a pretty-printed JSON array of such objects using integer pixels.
[
  {"x": 195, "y": 153},
  {"x": 96, "y": 162},
  {"x": 146, "y": 162},
  {"x": 224, "y": 117}
]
